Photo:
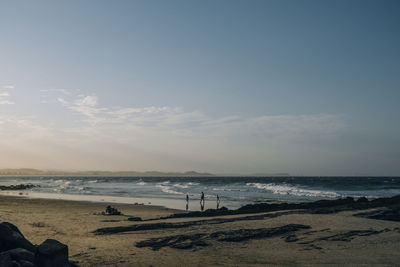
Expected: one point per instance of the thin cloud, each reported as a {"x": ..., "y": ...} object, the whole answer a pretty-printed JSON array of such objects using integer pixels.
[
  {"x": 8, "y": 87},
  {"x": 63, "y": 91},
  {"x": 4, "y": 98},
  {"x": 197, "y": 123}
]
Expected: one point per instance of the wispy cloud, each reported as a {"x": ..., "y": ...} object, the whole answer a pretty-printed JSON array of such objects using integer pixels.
[
  {"x": 195, "y": 123},
  {"x": 92, "y": 135},
  {"x": 59, "y": 90},
  {"x": 5, "y": 95}
]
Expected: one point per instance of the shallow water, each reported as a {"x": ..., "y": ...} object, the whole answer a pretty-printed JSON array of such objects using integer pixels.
[{"x": 233, "y": 191}]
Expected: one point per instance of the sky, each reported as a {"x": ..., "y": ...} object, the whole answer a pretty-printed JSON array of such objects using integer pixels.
[{"x": 227, "y": 87}]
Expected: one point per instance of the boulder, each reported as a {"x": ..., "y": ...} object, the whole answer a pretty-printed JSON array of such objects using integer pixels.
[
  {"x": 362, "y": 200},
  {"x": 52, "y": 253},
  {"x": 21, "y": 254},
  {"x": 5, "y": 260},
  {"x": 24, "y": 263},
  {"x": 11, "y": 237}
]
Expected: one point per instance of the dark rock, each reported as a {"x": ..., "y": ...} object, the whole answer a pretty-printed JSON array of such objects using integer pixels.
[
  {"x": 178, "y": 241},
  {"x": 12, "y": 227},
  {"x": 362, "y": 200},
  {"x": 134, "y": 219},
  {"x": 11, "y": 237},
  {"x": 73, "y": 264},
  {"x": 17, "y": 187},
  {"x": 164, "y": 225},
  {"x": 246, "y": 234},
  {"x": 291, "y": 238},
  {"x": 316, "y": 207},
  {"x": 195, "y": 240},
  {"x": 52, "y": 253},
  {"x": 5, "y": 260},
  {"x": 346, "y": 236},
  {"x": 21, "y": 254},
  {"x": 391, "y": 213},
  {"x": 24, "y": 263}
]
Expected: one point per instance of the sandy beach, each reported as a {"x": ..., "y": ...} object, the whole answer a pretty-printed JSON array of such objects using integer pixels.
[{"x": 333, "y": 239}]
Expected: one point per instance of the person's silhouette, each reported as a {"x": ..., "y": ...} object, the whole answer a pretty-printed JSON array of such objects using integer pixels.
[{"x": 202, "y": 201}]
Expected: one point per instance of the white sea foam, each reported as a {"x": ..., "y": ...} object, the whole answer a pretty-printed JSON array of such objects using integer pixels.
[
  {"x": 181, "y": 185},
  {"x": 293, "y": 190},
  {"x": 167, "y": 189},
  {"x": 140, "y": 183}
]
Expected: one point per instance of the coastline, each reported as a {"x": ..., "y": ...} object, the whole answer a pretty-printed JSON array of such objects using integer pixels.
[
  {"x": 337, "y": 239},
  {"x": 114, "y": 200}
]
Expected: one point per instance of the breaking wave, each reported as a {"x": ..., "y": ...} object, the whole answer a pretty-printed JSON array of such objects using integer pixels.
[{"x": 293, "y": 190}]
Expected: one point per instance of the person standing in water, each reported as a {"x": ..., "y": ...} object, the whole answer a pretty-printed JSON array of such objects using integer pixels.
[
  {"x": 202, "y": 201},
  {"x": 218, "y": 202},
  {"x": 187, "y": 202}
]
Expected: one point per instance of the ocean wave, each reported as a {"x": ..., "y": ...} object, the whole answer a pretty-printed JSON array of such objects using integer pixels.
[
  {"x": 167, "y": 189},
  {"x": 181, "y": 186},
  {"x": 229, "y": 189},
  {"x": 140, "y": 183},
  {"x": 293, "y": 190}
]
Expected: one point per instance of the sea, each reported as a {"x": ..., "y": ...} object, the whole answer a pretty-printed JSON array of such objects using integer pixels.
[{"x": 233, "y": 192}]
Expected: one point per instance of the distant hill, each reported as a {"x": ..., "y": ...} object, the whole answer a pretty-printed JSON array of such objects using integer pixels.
[{"x": 35, "y": 172}]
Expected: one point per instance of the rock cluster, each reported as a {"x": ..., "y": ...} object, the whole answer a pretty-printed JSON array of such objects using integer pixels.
[
  {"x": 190, "y": 241},
  {"x": 17, "y": 251},
  {"x": 17, "y": 187},
  {"x": 391, "y": 205}
]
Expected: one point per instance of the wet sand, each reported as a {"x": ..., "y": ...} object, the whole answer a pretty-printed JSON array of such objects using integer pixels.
[{"x": 334, "y": 239}]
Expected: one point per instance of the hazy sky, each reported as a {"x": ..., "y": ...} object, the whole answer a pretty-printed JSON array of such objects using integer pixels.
[{"x": 302, "y": 87}]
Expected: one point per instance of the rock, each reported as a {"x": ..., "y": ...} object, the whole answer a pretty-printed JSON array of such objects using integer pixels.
[
  {"x": 21, "y": 254},
  {"x": 11, "y": 237},
  {"x": 362, "y": 200},
  {"x": 13, "y": 227},
  {"x": 5, "y": 260},
  {"x": 391, "y": 213},
  {"x": 23, "y": 263},
  {"x": 17, "y": 187},
  {"x": 73, "y": 264},
  {"x": 134, "y": 219},
  {"x": 190, "y": 241},
  {"x": 52, "y": 253}
]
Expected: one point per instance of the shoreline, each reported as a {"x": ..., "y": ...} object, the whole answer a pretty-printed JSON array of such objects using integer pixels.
[{"x": 156, "y": 202}]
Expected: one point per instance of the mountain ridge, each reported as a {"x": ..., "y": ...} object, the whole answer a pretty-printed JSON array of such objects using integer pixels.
[{"x": 37, "y": 172}]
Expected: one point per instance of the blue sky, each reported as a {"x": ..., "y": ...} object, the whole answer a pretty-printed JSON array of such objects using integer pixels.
[{"x": 302, "y": 87}]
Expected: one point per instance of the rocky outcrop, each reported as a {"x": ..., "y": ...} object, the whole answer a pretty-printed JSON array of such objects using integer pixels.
[
  {"x": 194, "y": 240},
  {"x": 174, "y": 225},
  {"x": 16, "y": 250},
  {"x": 17, "y": 187},
  {"x": 316, "y": 207},
  {"x": 391, "y": 213}
]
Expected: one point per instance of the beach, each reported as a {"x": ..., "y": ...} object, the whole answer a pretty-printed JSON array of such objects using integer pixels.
[{"x": 286, "y": 238}]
